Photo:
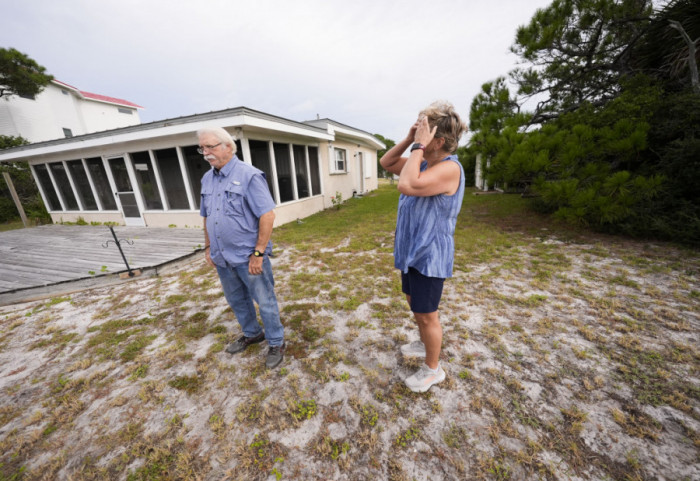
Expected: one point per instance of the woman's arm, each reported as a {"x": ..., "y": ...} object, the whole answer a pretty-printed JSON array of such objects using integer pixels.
[{"x": 392, "y": 161}]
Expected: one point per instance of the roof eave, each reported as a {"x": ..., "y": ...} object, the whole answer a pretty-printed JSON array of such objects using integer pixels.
[{"x": 236, "y": 117}]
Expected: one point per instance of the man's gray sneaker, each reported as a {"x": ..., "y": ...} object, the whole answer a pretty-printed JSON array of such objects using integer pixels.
[
  {"x": 414, "y": 349},
  {"x": 243, "y": 342},
  {"x": 274, "y": 356}
]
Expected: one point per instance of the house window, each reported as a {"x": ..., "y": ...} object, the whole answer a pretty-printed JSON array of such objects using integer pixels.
[
  {"x": 171, "y": 176},
  {"x": 283, "y": 162},
  {"x": 82, "y": 184},
  {"x": 50, "y": 196},
  {"x": 96, "y": 169},
  {"x": 260, "y": 157},
  {"x": 64, "y": 92},
  {"x": 146, "y": 179},
  {"x": 302, "y": 174},
  {"x": 315, "y": 174},
  {"x": 340, "y": 164},
  {"x": 63, "y": 184},
  {"x": 68, "y": 133},
  {"x": 125, "y": 111},
  {"x": 196, "y": 168}
]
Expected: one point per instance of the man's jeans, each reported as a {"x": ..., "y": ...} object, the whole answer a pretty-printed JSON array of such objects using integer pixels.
[{"x": 242, "y": 288}]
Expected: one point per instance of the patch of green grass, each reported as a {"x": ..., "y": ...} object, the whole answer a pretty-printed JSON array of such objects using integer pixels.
[
  {"x": 110, "y": 335},
  {"x": 58, "y": 340},
  {"x": 380, "y": 206},
  {"x": 455, "y": 437},
  {"x": 465, "y": 374},
  {"x": 49, "y": 429},
  {"x": 252, "y": 410},
  {"x": 56, "y": 300},
  {"x": 303, "y": 410},
  {"x": 407, "y": 437},
  {"x": 176, "y": 300},
  {"x": 189, "y": 384},
  {"x": 18, "y": 474},
  {"x": 218, "y": 329},
  {"x": 135, "y": 347},
  {"x": 368, "y": 415},
  {"x": 139, "y": 372}
]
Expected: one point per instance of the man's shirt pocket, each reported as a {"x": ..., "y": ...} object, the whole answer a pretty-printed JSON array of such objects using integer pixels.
[
  {"x": 235, "y": 200},
  {"x": 206, "y": 201}
]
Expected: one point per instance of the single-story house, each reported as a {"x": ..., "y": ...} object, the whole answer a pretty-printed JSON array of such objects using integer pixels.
[{"x": 149, "y": 174}]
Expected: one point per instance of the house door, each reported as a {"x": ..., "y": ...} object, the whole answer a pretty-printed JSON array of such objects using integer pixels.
[{"x": 125, "y": 192}]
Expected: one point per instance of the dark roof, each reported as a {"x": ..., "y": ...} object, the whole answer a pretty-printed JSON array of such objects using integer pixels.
[{"x": 165, "y": 123}]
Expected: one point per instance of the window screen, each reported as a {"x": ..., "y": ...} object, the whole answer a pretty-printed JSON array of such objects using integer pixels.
[
  {"x": 171, "y": 176},
  {"x": 82, "y": 184}
]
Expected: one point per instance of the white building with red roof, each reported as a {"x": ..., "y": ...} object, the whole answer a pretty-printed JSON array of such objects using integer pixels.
[{"x": 61, "y": 111}]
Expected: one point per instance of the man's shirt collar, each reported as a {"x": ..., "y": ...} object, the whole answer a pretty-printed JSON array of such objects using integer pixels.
[{"x": 228, "y": 168}]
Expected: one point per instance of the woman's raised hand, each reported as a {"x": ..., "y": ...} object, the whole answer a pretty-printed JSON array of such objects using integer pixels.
[{"x": 423, "y": 133}]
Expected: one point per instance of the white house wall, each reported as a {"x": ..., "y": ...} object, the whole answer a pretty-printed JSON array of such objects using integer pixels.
[
  {"x": 103, "y": 116},
  {"x": 45, "y": 117},
  {"x": 348, "y": 183},
  {"x": 36, "y": 120}
]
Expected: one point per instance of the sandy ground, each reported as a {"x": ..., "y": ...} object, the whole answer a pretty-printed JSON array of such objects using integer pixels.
[{"x": 564, "y": 361}]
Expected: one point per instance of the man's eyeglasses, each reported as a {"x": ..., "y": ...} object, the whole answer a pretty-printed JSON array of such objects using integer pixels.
[{"x": 208, "y": 147}]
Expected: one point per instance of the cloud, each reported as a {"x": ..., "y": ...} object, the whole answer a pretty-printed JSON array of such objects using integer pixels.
[{"x": 369, "y": 64}]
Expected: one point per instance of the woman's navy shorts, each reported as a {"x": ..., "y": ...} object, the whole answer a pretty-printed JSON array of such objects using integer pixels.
[{"x": 425, "y": 291}]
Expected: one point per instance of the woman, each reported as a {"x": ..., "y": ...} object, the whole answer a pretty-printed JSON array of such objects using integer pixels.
[{"x": 431, "y": 183}]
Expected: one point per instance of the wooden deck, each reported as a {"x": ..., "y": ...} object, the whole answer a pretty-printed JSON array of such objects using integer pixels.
[{"x": 53, "y": 254}]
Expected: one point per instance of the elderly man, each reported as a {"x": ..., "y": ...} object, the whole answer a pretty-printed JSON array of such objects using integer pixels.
[{"x": 238, "y": 215}]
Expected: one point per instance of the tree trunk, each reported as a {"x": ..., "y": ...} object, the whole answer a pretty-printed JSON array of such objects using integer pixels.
[{"x": 692, "y": 63}]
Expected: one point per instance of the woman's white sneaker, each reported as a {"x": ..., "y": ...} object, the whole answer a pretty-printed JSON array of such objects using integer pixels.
[
  {"x": 424, "y": 378},
  {"x": 414, "y": 349}
]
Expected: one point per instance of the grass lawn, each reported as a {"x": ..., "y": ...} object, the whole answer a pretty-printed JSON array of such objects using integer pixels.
[{"x": 569, "y": 355}]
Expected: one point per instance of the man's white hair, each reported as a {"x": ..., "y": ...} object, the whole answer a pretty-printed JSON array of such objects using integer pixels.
[{"x": 220, "y": 134}]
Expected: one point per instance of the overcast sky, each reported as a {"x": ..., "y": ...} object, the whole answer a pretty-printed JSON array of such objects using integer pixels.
[{"x": 370, "y": 64}]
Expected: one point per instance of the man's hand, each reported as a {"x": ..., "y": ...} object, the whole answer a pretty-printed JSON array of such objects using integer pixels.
[
  {"x": 207, "y": 256},
  {"x": 255, "y": 265}
]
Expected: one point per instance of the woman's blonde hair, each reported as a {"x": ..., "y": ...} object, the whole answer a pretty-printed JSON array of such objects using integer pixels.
[{"x": 449, "y": 126}]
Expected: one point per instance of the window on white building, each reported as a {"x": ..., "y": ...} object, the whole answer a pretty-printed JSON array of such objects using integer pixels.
[
  {"x": 125, "y": 111},
  {"x": 283, "y": 163},
  {"x": 146, "y": 180},
  {"x": 67, "y": 132},
  {"x": 82, "y": 184},
  {"x": 315, "y": 173},
  {"x": 99, "y": 178},
  {"x": 302, "y": 174},
  {"x": 340, "y": 161},
  {"x": 260, "y": 158},
  {"x": 64, "y": 187},
  {"x": 42, "y": 175},
  {"x": 172, "y": 178},
  {"x": 196, "y": 168}
]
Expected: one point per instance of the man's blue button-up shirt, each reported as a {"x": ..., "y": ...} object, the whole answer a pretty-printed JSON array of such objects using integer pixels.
[{"x": 233, "y": 199}]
